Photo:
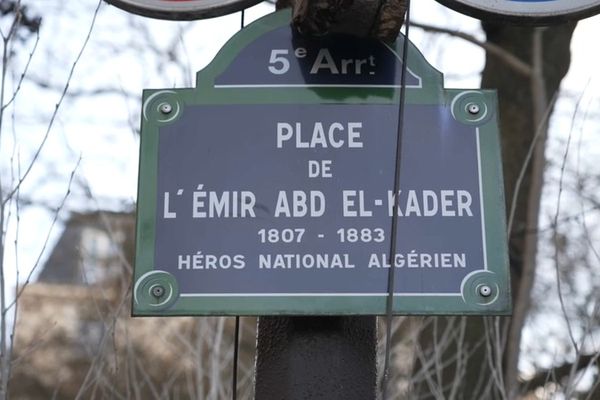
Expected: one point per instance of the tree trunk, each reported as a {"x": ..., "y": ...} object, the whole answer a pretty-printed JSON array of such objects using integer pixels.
[{"x": 474, "y": 358}]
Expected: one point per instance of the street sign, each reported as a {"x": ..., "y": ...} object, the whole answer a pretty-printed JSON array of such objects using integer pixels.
[
  {"x": 537, "y": 11},
  {"x": 183, "y": 9},
  {"x": 268, "y": 188}
]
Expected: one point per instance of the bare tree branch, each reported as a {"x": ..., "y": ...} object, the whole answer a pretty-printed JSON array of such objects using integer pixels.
[
  {"x": 56, "y": 108},
  {"x": 557, "y": 374},
  {"x": 510, "y": 59},
  {"x": 46, "y": 241}
]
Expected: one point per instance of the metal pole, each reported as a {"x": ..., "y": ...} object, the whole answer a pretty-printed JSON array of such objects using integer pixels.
[{"x": 329, "y": 358}]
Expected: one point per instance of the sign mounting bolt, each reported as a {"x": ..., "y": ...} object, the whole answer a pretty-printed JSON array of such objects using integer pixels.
[
  {"x": 158, "y": 291},
  {"x": 165, "y": 108},
  {"x": 473, "y": 109},
  {"x": 485, "y": 291}
]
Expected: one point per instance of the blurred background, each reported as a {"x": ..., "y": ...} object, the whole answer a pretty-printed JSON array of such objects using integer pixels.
[{"x": 71, "y": 84}]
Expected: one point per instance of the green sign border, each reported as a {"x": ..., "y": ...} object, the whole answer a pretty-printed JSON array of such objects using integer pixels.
[{"x": 146, "y": 279}]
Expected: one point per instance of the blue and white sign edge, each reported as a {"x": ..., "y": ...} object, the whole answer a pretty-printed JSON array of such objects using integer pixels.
[{"x": 526, "y": 10}]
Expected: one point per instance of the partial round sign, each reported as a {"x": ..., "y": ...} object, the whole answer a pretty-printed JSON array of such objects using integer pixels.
[
  {"x": 183, "y": 9},
  {"x": 526, "y": 10}
]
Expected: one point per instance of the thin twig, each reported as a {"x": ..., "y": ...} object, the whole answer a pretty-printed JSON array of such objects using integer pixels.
[
  {"x": 57, "y": 107},
  {"x": 24, "y": 73},
  {"x": 5, "y": 370},
  {"x": 48, "y": 235},
  {"x": 540, "y": 132},
  {"x": 555, "y": 236}
]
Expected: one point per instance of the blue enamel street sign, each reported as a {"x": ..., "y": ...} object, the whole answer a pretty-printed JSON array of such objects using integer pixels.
[
  {"x": 526, "y": 10},
  {"x": 268, "y": 188}
]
